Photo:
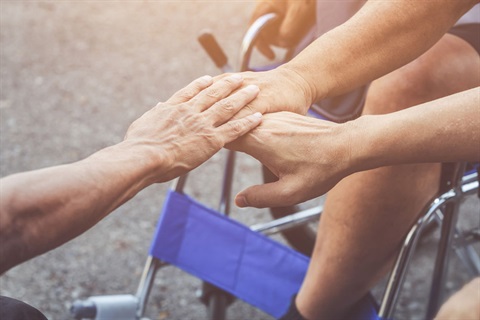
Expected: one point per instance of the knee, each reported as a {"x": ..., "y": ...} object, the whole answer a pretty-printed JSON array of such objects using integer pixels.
[
  {"x": 450, "y": 66},
  {"x": 413, "y": 84}
]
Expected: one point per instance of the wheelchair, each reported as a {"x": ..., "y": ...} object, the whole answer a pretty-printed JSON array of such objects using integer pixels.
[{"x": 458, "y": 181}]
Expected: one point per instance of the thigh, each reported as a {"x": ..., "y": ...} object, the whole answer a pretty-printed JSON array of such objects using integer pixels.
[{"x": 450, "y": 66}]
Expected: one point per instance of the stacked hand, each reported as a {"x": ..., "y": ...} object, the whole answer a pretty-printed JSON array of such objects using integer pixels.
[
  {"x": 309, "y": 157},
  {"x": 193, "y": 124},
  {"x": 281, "y": 89}
]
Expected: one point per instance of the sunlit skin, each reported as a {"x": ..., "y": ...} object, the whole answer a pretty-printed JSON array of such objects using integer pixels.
[
  {"x": 402, "y": 46},
  {"x": 167, "y": 141},
  {"x": 287, "y": 143}
]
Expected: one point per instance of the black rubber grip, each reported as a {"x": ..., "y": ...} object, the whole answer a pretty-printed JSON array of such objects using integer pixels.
[{"x": 208, "y": 42}]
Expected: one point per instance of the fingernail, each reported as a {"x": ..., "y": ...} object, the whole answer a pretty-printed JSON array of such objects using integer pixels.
[
  {"x": 240, "y": 201},
  {"x": 236, "y": 77},
  {"x": 257, "y": 115},
  {"x": 252, "y": 88}
]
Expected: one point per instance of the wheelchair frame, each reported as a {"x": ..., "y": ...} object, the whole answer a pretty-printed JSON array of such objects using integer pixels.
[{"x": 443, "y": 209}]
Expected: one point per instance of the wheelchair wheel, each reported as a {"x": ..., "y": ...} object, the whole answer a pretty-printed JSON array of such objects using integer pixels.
[{"x": 302, "y": 238}]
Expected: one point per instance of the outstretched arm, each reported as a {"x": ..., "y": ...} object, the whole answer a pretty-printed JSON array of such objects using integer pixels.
[
  {"x": 40, "y": 210},
  {"x": 380, "y": 38},
  {"x": 310, "y": 156}
]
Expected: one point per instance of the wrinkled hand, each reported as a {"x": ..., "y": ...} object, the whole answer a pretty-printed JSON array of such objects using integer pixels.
[
  {"x": 309, "y": 156},
  {"x": 296, "y": 17},
  {"x": 281, "y": 89},
  {"x": 193, "y": 124}
]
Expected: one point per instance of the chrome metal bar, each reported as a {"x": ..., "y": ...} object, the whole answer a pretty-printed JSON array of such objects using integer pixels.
[
  {"x": 470, "y": 183},
  {"x": 287, "y": 222},
  {"x": 441, "y": 266},
  {"x": 179, "y": 183},
  {"x": 467, "y": 254},
  {"x": 450, "y": 217},
  {"x": 225, "y": 197},
  {"x": 402, "y": 263},
  {"x": 470, "y": 188},
  {"x": 250, "y": 38},
  {"x": 471, "y": 177},
  {"x": 146, "y": 282}
]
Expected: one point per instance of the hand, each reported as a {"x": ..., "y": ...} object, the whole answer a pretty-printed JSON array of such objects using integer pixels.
[
  {"x": 309, "y": 156},
  {"x": 281, "y": 89},
  {"x": 295, "y": 18},
  {"x": 193, "y": 125}
]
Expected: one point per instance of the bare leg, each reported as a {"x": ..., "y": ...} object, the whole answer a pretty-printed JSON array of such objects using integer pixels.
[{"x": 367, "y": 214}]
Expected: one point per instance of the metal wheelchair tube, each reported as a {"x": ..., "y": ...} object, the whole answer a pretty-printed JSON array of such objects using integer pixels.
[
  {"x": 287, "y": 222},
  {"x": 106, "y": 307},
  {"x": 179, "y": 183},
  {"x": 215, "y": 52},
  {"x": 251, "y": 36},
  {"x": 146, "y": 281},
  {"x": 470, "y": 184},
  {"x": 400, "y": 268}
]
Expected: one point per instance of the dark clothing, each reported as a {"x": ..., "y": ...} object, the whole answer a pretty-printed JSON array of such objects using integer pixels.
[{"x": 12, "y": 309}]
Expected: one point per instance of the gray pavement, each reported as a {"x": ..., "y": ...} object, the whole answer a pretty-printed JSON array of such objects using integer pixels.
[{"x": 74, "y": 75}]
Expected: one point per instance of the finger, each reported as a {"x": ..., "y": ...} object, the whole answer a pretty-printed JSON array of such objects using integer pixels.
[
  {"x": 265, "y": 49},
  {"x": 191, "y": 90},
  {"x": 225, "y": 109},
  {"x": 269, "y": 34},
  {"x": 217, "y": 91},
  {"x": 300, "y": 17},
  {"x": 234, "y": 129},
  {"x": 274, "y": 194}
]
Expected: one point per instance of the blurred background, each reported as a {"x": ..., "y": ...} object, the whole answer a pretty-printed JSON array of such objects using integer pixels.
[{"x": 74, "y": 75}]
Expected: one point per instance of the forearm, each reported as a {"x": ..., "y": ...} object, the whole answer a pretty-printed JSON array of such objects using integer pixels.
[
  {"x": 381, "y": 37},
  {"x": 42, "y": 209},
  {"x": 444, "y": 130}
]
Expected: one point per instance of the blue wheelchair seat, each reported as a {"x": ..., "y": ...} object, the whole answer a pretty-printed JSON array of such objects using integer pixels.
[{"x": 227, "y": 254}]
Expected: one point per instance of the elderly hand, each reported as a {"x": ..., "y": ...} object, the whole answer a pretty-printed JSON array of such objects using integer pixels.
[
  {"x": 193, "y": 125},
  {"x": 309, "y": 156},
  {"x": 296, "y": 17},
  {"x": 281, "y": 89}
]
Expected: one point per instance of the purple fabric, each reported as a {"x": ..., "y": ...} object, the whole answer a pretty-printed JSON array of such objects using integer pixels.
[{"x": 229, "y": 255}]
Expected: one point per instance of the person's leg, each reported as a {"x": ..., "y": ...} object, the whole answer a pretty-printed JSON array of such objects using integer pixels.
[{"x": 367, "y": 214}]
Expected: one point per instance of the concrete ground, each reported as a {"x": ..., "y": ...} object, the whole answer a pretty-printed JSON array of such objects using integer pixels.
[{"x": 74, "y": 75}]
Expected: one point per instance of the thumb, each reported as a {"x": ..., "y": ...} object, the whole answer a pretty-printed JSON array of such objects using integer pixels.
[
  {"x": 299, "y": 18},
  {"x": 274, "y": 194}
]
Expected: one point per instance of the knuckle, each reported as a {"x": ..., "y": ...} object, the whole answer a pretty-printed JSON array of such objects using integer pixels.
[
  {"x": 213, "y": 139},
  {"x": 229, "y": 79},
  {"x": 186, "y": 94},
  {"x": 248, "y": 107},
  {"x": 228, "y": 105},
  {"x": 236, "y": 127},
  {"x": 213, "y": 93}
]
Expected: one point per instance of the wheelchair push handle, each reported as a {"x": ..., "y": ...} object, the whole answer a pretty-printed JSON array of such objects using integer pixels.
[{"x": 213, "y": 49}]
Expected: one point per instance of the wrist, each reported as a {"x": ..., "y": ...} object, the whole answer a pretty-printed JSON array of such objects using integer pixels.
[
  {"x": 299, "y": 82},
  {"x": 355, "y": 137},
  {"x": 365, "y": 149},
  {"x": 138, "y": 160},
  {"x": 314, "y": 76}
]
